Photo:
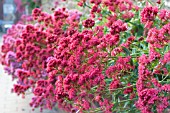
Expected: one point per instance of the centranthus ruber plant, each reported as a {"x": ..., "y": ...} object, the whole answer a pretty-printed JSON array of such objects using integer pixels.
[{"x": 114, "y": 59}]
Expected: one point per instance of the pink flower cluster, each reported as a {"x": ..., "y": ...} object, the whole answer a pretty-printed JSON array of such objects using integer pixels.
[
  {"x": 89, "y": 65},
  {"x": 149, "y": 14},
  {"x": 149, "y": 89}
]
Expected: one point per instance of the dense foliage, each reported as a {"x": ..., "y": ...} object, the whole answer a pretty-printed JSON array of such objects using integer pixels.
[{"x": 114, "y": 60}]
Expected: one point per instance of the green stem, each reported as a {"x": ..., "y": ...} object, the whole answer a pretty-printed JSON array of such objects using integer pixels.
[
  {"x": 150, "y": 2},
  {"x": 164, "y": 77},
  {"x": 127, "y": 100},
  {"x": 133, "y": 56},
  {"x": 85, "y": 4},
  {"x": 115, "y": 89},
  {"x": 123, "y": 87},
  {"x": 96, "y": 110}
]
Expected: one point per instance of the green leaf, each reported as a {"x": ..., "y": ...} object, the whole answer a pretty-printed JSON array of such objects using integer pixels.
[
  {"x": 167, "y": 48},
  {"x": 126, "y": 51},
  {"x": 111, "y": 63},
  {"x": 140, "y": 30},
  {"x": 167, "y": 66},
  {"x": 150, "y": 2},
  {"x": 162, "y": 5},
  {"x": 131, "y": 62},
  {"x": 106, "y": 30},
  {"x": 127, "y": 20},
  {"x": 65, "y": 27},
  {"x": 80, "y": 27},
  {"x": 133, "y": 50},
  {"x": 108, "y": 80},
  {"x": 115, "y": 106},
  {"x": 136, "y": 71},
  {"x": 127, "y": 34},
  {"x": 126, "y": 103}
]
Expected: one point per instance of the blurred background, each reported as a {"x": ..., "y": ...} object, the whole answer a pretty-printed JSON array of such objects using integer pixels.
[
  {"x": 12, "y": 11},
  {"x": 7, "y": 14}
]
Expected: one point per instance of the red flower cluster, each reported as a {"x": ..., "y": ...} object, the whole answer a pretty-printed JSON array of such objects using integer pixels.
[
  {"x": 149, "y": 14},
  {"x": 117, "y": 27},
  {"x": 89, "y": 23},
  {"x": 95, "y": 67},
  {"x": 149, "y": 88}
]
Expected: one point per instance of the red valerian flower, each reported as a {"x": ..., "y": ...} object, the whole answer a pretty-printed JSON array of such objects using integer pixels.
[
  {"x": 114, "y": 84},
  {"x": 89, "y": 23},
  {"x": 148, "y": 14},
  {"x": 164, "y": 15},
  {"x": 147, "y": 97},
  {"x": 117, "y": 27},
  {"x": 128, "y": 90}
]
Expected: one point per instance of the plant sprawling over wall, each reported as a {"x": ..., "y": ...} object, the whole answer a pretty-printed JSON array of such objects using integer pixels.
[{"x": 114, "y": 59}]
